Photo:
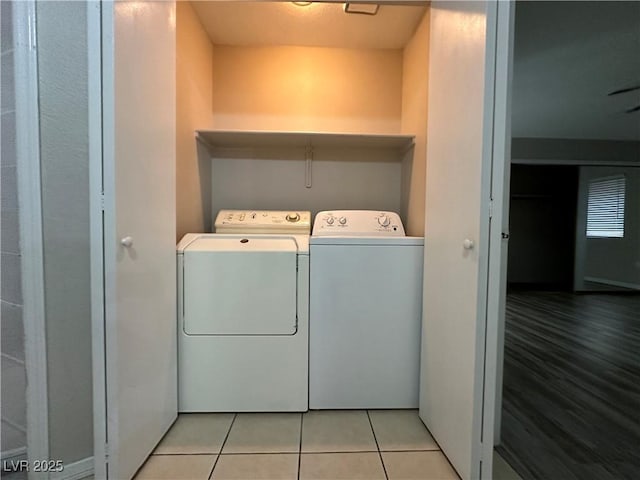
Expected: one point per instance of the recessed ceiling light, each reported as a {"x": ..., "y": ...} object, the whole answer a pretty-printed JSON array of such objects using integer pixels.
[{"x": 302, "y": 4}]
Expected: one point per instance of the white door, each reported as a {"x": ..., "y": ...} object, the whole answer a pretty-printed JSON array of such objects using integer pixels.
[
  {"x": 468, "y": 85},
  {"x": 135, "y": 389}
]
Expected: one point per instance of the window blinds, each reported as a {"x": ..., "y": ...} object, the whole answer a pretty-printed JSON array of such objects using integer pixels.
[{"x": 605, "y": 208}]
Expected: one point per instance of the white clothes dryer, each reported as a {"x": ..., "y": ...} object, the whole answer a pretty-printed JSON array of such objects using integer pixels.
[
  {"x": 243, "y": 314},
  {"x": 365, "y": 311}
]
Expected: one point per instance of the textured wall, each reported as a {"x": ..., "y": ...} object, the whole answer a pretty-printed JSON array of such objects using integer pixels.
[
  {"x": 62, "y": 69},
  {"x": 13, "y": 366}
]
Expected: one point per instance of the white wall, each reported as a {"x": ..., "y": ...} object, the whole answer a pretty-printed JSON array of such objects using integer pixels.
[
  {"x": 194, "y": 111},
  {"x": 274, "y": 179},
  {"x": 415, "y": 90},
  {"x": 13, "y": 367},
  {"x": 610, "y": 261},
  {"x": 307, "y": 89},
  {"x": 293, "y": 88},
  {"x": 62, "y": 70}
]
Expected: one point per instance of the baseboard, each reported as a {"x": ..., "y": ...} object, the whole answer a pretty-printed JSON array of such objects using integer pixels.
[
  {"x": 613, "y": 283},
  {"x": 75, "y": 471},
  {"x": 15, "y": 455}
]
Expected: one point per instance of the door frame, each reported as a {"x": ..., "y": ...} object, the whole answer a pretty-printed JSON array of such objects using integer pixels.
[
  {"x": 494, "y": 227},
  {"x": 500, "y": 172},
  {"x": 32, "y": 245},
  {"x": 96, "y": 221}
]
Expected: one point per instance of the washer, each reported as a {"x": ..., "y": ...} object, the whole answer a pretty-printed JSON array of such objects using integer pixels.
[
  {"x": 365, "y": 311},
  {"x": 243, "y": 314}
]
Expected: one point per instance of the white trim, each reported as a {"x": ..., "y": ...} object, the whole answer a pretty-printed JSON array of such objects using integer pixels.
[
  {"x": 13, "y": 359},
  {"x": 560, "y": 161},
  {"x": 16, "y": 426},
  {"x": 75, "y": 471},
  {"x": 30, "y": 213},
  {"x": 498, "y": 248},
  {"x": 14, "y": 454},
  {"x": 614, "y": 283},
  {"x": 94, "y": 78}
]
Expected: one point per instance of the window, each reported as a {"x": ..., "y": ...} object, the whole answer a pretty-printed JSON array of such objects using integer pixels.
[{"x": 605, "y": 207}]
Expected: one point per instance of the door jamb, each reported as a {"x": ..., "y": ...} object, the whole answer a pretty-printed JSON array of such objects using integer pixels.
[
  {"x": 32, "y": 244},
  {"x": 498, "y": 234},
  {"x": 96, "y": 206}
]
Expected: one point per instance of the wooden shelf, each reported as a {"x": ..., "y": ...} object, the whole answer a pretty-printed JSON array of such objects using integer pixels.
[{"x": 248, "y": 139}]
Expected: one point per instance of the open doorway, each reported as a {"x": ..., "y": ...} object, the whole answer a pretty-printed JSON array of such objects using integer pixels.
[{"x": 571, "y": 363}]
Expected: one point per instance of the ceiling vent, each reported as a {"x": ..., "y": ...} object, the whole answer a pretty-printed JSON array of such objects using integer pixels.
[{"x": 361, "y": 8}]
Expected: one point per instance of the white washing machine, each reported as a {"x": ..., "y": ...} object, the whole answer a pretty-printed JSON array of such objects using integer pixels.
[
  {"x": 243, "y": 314},
  {"x": 365, "y": 311}
]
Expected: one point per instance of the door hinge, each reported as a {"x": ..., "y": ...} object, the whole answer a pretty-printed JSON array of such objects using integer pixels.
[
  {"x": 102, "y": 201},
  {"x": 491, "y": 208},
  {"x": 106, "y": 453}
]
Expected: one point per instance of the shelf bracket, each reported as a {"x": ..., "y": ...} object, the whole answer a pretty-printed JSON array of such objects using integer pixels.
[{"x": 308, "y": 157}]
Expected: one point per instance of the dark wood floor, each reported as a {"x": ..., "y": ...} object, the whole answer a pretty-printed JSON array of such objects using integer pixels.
[{"x": 571, "y": 395}]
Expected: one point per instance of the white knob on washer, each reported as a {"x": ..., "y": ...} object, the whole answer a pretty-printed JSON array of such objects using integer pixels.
[
  {"x": 293, "y": 217},
  {"x": 383, "y": 220},
  {"x": 342, "y": 220},
  {"x": 330, "y": 220}
]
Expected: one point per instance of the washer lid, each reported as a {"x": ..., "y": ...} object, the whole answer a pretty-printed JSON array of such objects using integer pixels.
[{"x": 240, "y": 243}]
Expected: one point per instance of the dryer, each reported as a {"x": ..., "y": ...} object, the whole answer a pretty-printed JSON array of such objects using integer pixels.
[
  {"x": 243, "y": 314},
  {"x": 365, "y": 311}
]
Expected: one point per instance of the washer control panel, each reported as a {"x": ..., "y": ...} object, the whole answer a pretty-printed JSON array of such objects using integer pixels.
[
  {"x": 263, "y": 221},
  {"x": 371, "y": 223}
]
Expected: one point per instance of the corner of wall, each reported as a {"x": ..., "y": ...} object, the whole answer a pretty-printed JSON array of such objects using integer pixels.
[
  {"x": 415, "y": 89},
  {"x": 194, "y": 86}
]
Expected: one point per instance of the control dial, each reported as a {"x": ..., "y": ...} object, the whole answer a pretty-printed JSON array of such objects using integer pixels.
[
  {"x": 342, "y": 220},
  {"x": 330, "y": 220},
  {"x": 293, "y": 217},
  {"x": 384, "y": 220}
]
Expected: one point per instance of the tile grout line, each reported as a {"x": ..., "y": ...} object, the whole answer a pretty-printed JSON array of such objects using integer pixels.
[
  {"x": 235, "y": 415},
  {"x": 386, "y": 476},
  {"x": 300, "y": 444}
]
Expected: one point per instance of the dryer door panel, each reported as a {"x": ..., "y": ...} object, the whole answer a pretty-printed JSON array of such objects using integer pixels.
[{"x": 248, "y": 292}]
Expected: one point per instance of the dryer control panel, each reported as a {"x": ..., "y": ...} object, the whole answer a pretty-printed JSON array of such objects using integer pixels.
[
  {"x": 370, "y": 223},
  {"x": 263, "y": 221}
]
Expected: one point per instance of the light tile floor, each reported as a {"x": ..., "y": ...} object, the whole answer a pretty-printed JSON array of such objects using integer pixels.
[{"x": 331, "y": 445}]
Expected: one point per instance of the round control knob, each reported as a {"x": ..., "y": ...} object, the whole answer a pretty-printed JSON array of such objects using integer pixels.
[
  {"x": 293, "y": 217},
  {"x": 342, "y": 220},
  {"x": 330, "y": 220},
  {"x": 384, "y": 220}
]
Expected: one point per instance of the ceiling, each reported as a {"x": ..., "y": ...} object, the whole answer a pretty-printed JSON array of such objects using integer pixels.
[
  {"x": 318, "y": 24},
  {"x": 567, "y": 57}
]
